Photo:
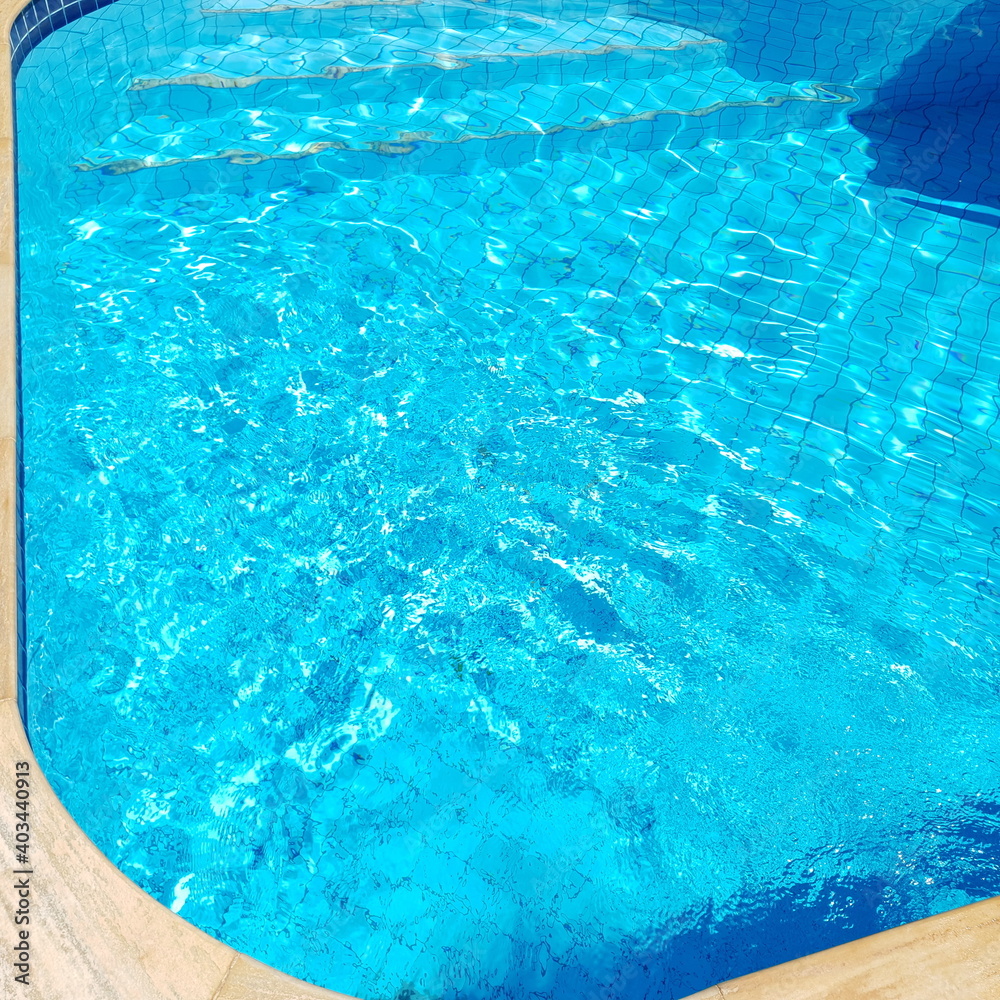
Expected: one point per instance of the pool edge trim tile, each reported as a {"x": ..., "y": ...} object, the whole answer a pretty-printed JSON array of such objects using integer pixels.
[{"x": 95, "y": 935}]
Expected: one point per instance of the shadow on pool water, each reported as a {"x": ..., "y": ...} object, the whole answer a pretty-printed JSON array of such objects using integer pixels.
[{"x": 935, "y": 127}]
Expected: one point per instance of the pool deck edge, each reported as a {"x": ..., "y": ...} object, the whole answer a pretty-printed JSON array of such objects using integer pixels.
[{"x": 95, "y": 935}]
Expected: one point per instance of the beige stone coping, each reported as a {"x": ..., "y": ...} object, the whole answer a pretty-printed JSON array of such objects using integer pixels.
[{"x": 95, "y": 935}]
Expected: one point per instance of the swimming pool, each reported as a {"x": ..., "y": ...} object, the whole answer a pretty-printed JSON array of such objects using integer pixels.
[{"x": 535, "y": 544}]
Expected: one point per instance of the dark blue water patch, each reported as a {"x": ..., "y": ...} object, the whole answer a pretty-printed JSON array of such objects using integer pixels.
[
  {"x": 762, "y": 927},
  {"x": 780, "y": 924},
  {"x": 590, "y": 613},
  {"x": 935, "y": 127},
  {"x": 716, "y": 946},
  {"x": 768, "y": 925},
  {"x": 956, "y": 211}
]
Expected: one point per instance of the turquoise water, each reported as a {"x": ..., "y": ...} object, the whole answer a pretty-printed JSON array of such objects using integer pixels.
[{"x": 510, "y": 489}]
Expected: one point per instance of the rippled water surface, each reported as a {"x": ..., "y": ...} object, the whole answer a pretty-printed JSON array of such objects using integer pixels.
[{"x": 510, "y": 489}]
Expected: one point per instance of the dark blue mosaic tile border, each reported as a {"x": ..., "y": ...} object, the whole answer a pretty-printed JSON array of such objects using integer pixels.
[{"x": 40, "y": 18}]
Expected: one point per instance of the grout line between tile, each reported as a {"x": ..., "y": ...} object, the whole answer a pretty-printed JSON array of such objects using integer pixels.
[{"x": 225, "y": 978}]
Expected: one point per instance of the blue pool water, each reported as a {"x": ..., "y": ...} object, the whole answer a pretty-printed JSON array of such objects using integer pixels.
[{"x": 510, "y": 488}]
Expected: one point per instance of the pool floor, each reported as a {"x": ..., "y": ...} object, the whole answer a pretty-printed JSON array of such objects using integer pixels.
[{"x": 509, "y": 488}]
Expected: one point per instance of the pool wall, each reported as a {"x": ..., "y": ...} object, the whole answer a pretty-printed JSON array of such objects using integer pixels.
[{"x": 94, "y": 935}]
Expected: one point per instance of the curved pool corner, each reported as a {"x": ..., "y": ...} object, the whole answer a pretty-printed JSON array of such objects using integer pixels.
[{"x": 94, "y": 935}]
